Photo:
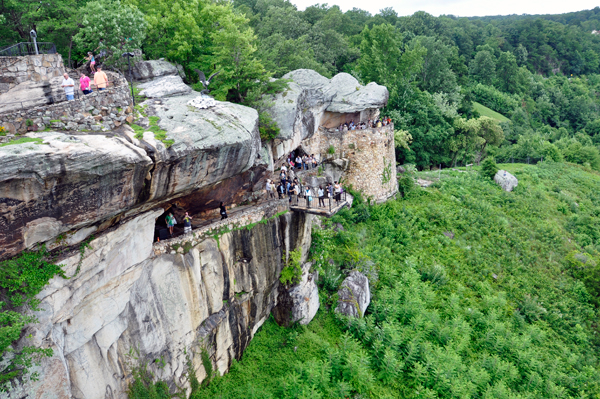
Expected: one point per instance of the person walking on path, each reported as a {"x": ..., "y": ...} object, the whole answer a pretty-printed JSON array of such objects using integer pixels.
[
  {"x": 281, "y": 189},
  {"x": 92, "y": 61},
  {"x": 321, "y": 194},
  {"x": 100, "y": 79},
  {"x": 269, "y": 188},
  {"x": 170, "y": 219},
  {"x": 187, "y": 224},
  {"x": 84, "y": 83},
  {"x": 68, "y": 85},
  {"x": 223, "y": 211}
]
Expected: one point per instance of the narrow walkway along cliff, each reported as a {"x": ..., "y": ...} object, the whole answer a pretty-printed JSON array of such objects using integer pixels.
[{"x": 136, "y": 299}]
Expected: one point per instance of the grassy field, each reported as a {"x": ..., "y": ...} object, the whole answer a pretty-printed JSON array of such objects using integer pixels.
[
  {"x": 485, "y": 111},
  {"x": 476, "y": 293}
]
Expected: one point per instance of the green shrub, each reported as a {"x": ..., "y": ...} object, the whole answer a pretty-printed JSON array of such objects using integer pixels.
[
  {"x": 405, "y": 184},
  {"x": 292, "y": 272},
  {"x": 331, "y": 150},
  {"x": 489, "y": 168},
  {"x": 21, "y": 279},
  {"x": 267, "y": 127}
]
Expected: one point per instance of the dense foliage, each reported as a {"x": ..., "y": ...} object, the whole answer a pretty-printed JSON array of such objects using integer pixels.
[
  {"x": 476, "y": 293},
  {"x": 21, "y": 279},
  {"x": 542, "y": 73}
]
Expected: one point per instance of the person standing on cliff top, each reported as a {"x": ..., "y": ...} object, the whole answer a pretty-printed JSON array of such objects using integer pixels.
[
  {"x": 69, "y": 85},
  {"x": 100, "y": 79},
  {"x": 92, "y": 61},
  {"x": 84, "y": 83},
  {"x": 187, "y": 224},
  {"x": 223, "y": 211}
]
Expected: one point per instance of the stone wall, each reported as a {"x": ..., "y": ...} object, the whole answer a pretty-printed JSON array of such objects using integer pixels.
[
  {"x": 371, "y": 155},
  {"x": 15, "y": 70},
  {"x": 252, "y": 215},
  {"x": 98, "y": 111}
]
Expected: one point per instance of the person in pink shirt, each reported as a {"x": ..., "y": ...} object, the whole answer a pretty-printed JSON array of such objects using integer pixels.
[{"x": 84, "y": 84}]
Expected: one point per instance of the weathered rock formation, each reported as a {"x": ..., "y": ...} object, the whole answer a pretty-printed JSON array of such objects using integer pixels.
[
  {"x": 310, "y": 110},
  {"x": 147, "y": 70},
  {"x": 354, "y": 295},
  {"x": 313, "y": 100},
  {"x": 74, "y": 181},
  {"x": 505, "y": 180},
  {"x": 127, "y": 307},
  {"x": 165, "y": 86},
  {"x": 135, "y": 301}
]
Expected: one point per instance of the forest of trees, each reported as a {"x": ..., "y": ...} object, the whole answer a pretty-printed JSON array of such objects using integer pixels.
[{"x": 541, "y": 73}]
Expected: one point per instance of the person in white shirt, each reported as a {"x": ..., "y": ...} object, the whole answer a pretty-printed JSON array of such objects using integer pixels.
[
  {"x": 321, "y": 194},
  {"x": 69, "y": 85}
]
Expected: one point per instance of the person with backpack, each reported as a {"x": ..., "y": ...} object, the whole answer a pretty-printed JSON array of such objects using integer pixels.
[
  {"x": 223, "y": 211},
  {"x": 170, "y": 219},
  {"x": 281, "y": 189},
  {"x": 187, "y": 224},
  {"x": 308, "y": 195}
]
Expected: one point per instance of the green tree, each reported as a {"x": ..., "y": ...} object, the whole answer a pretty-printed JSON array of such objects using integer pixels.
[
  {"x": 121, "y": 27},
  {"x": 436, "y": 74},
  {"x": 483, "y": 67},
  {"x": 507, "y": 73}
]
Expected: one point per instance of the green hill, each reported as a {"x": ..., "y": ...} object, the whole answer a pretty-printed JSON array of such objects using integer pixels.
[
  {"x": 480, "y": 293},
  {"x": 485, "y": 111}
]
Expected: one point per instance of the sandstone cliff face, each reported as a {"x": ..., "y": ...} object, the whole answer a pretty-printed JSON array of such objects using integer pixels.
[
  {"x": 72, "y": 181},
  {"x": 126, "y": 307}
]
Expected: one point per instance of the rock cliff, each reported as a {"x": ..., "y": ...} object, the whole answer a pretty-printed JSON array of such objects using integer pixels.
[
  {"x": 127, "y": 307},
  {"x": 132, "y": 300}
]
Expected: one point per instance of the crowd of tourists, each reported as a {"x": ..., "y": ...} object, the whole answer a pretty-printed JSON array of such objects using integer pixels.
[
  {"x": 289, "y": 185},
  {"x": 371, "y": 123}
]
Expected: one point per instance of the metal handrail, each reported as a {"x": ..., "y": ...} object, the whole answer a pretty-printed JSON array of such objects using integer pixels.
[{"x": 28, "y": 48}]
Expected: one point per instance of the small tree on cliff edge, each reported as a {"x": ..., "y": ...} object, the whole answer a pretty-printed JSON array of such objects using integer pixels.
[{"x": 489, "y": 168}]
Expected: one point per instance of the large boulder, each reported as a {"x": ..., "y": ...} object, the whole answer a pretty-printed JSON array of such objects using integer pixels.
[
  {"x": 69, "y": 182},
  {"x": 164, "y": 86},
  {"x": 65, "y": 182},
  {"x": 146, "y": 70},
  {"x": 312, "y": 100},
  {"x": 505, "y": 180},
  {"x": 350, "y": 96},
  {"x": 305, "y": 296},
  {"x": 354, "y": 295},
  {"x": 31, "y": 93}
]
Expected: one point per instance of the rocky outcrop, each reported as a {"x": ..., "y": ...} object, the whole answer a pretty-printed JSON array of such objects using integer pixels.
[
  {"x": 147, "y": 70},
  {"x": 354, "y": 295},
  {"x": 73, "y": 181},
  {"x": 313, "y": 100},
  {"x": 505, "y": 180},
  {"x": 125, "y": 307},
  {"x": 64, "y": 183},
  {"x": 305, "y": 296},
  {"x": 165, "y": 86}
]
